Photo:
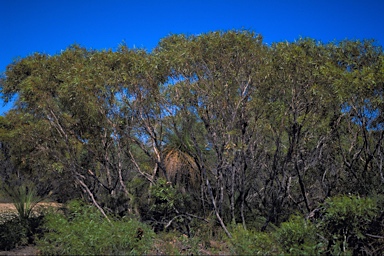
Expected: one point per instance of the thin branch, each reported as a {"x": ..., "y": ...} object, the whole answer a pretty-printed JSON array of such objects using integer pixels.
[{"x": 92, "y": 198}]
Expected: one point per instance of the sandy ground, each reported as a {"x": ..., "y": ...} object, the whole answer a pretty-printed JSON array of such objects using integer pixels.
[
  {"x": 23, "y": 250},
  {"x": 4, "y": 207},
  {"x": 9, "y": 207}
]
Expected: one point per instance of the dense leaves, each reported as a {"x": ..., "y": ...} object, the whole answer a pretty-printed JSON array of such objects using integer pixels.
[
  {"x": 218, "y": 124},
  {"x": 83, "y": 231}
]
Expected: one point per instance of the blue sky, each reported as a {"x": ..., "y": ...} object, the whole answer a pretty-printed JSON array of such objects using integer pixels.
[{"x": 49, "y": 26}]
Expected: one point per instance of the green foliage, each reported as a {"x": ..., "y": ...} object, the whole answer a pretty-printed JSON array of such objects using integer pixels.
[
  {"x": 175, "y": 243},
  {"x": 346, "y": 225},
  {"x": 190, "y": 245},
  {"x": 25, "y": 199},
  {"x": 298, "y": 236},
  {"x": 165, "y": 196},
  {"x": 83, "y": 231},
  {"x": 240, "y": 128},
  {"x": 251, "y": 242},
  {"x": 350, "y": 224},
  {"x": 166, "y": 206},
  {"x": 21, "y": 230},
  {"x": 13, "y": 233}
]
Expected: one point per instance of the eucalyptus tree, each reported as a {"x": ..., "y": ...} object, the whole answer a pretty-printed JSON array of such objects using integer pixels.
[
  {"x": 215, "y": 78},
  {"x": 359, "y": 82},
  {"x": 320, "y": 119},
  {"x": 300, "y": 102},
  {"x": 238, "y": 127},
  {"x": 27, "y": 151},
  {"x": 93, "y": 108}
]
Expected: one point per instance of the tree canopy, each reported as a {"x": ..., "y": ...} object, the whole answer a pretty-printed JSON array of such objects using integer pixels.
[{"x": 219, "y": 124}]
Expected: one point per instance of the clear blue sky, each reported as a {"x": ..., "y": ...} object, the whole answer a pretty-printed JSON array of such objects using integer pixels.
[{"x": 49, "y": 26}]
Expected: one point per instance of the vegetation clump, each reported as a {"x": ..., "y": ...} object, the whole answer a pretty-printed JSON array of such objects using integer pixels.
[
  {"x": 201, "y": 136},
  {"x": 82, "y": 230}
]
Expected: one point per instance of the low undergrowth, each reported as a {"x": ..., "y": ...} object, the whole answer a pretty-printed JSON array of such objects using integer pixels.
[
  {"x": 343, "y": 225},
  {"x": 82, "y": 230}
]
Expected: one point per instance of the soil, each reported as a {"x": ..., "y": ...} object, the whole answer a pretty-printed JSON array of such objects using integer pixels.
[
  {"x": 9, "y": 207},
  {"x": 22, "y": 250}
]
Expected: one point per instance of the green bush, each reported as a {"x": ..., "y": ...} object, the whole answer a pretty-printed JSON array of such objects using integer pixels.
[
  {"x": 83, "y": 230},
  {"x": 298, "y": 236},
  {"x": 12, "y": 234},
  {"x": 165, "y": 197},
  {"x": 352, "y": 225},
  {"x": 165, "y": 205},
  {"x": 15, "y": 232},
  {"x": 249, "y": 242}
]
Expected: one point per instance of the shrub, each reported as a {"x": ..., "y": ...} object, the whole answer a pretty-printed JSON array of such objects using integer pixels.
[
  {"x": 12, "y": 234},
  {"x": 15, "y": 232},
  {"x": 166, "y": 203},
  {"x": 249, "y": 242},
  {"x": 83, "y": 230},
  {"x": 352, "y": 225},
  {"x": 24, "y": 198},
  {"x": 298, "y": 236},
  {"x": 176, "y": 243},
  {"x": 22, "y": 229},
  {"x": 165, "y": 197}
]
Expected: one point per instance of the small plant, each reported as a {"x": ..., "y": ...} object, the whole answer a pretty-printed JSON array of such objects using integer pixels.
[
  {"x": 25, "y": 199},
  {"x": 190, "y": 245},
  {"x": 20, "y": 230}
]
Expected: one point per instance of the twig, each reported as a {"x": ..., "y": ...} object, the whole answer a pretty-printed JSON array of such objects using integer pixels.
[{"x": 375, "y": 236}]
